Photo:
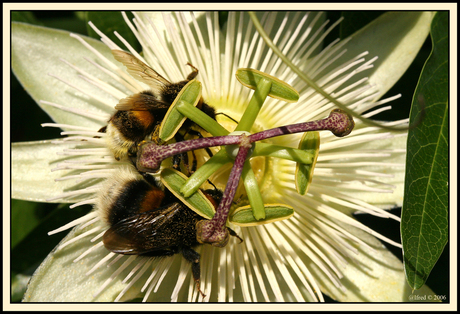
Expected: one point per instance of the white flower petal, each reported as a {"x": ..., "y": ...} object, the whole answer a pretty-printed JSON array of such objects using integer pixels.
[
  {"x": 60, "y": 279},
  {"x": 35, "y": 164},
  {"x": 36, "y": 54},
  {"x": 32, "y": 179},
  {"x": 396, "y": 38},
  {"x": 376, "y": 276}
]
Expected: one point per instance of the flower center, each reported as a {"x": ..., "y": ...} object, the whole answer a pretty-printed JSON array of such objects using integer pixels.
[
  {"x": 262, "y": 166},
  {"x": 214, "y": 231}
]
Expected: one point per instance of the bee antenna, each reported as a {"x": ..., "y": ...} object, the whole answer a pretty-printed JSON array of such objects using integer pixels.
[
  {"x": 224, "y": 114},
  {"x": 194, "y": 73},
  {"x": 238, "y": 200},
  {"x": 215, "y": 188},
  {"x": 192, "y": 66}
]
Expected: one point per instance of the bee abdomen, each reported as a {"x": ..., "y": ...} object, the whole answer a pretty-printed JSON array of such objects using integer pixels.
[{"x": 136, "y": 197}]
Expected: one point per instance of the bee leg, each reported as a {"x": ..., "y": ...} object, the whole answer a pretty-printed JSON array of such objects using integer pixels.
[
  {"x": 150, "y": 179},
  {"x": 194, "y": 164},
  {"x": 209, "y": 152},
  {"x": 156, "y": 135},
  {"x": 234, "y": 234},
  {"x": 197, "y": 133},
  {"x": 103, "y": 129},
  {"x": 215, "y": 189},
  {"x": 182, "y": 157},
  {"x": 193, "y": 257},
  {"x": 176, "y": 159},
  {"x": 193, "y": 74},
  {"x": 133, "y": 160},
  {"x": 238, "y": 200}
]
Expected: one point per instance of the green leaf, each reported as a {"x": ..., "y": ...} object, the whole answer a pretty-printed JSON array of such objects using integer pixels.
[
  {"x": 25, "y": 17},
  {"x": 34, "y": 247},
  {"x": 109, "y": 22},
  {"x": 355, "y": 20},
  {"x": 25, "y": 216},
  {"x": 18, "y": 286},
  {"x": 424, "y": 225},
  {"x": 223, "y": 17},
  {"x": 63, "y": 20}
]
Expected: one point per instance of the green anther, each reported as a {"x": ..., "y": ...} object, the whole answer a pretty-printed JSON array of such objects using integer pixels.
[
  {"x": 253, "y": 192},
  {"x": 264, "y": 85},
  {"x": 198, "y": 202},
  {"x": 243, "y": 217},
  {"x": 288, "y": 153},
  {"x": 202, "y": 119},
  {"x": 304, "y": 173},
  {"x": 279, "y": 89},
  {"x": 173, "y": 120},
  {"x": 204, "y": 172}
]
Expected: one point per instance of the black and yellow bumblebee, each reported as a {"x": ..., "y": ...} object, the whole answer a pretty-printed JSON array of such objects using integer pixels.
[
  {"x": 147, "y": 219},
  {"x": 139, "y": 116}
]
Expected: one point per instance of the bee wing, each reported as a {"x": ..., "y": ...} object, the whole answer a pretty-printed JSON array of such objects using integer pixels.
[
  {"x": 142, "y": 101},
  {"x": 139, "y": 70},
  {"x": 142, "y": 233}
]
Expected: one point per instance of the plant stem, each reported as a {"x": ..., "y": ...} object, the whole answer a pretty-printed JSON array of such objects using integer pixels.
[
  {"x": 202, "y": 119},
  {"x": 254, "y": 106}
]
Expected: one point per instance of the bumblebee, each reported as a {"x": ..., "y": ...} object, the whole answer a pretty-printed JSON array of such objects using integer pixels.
[
  {"x": 146, "y": 220},
  {"x": 139, "y": 116}
]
